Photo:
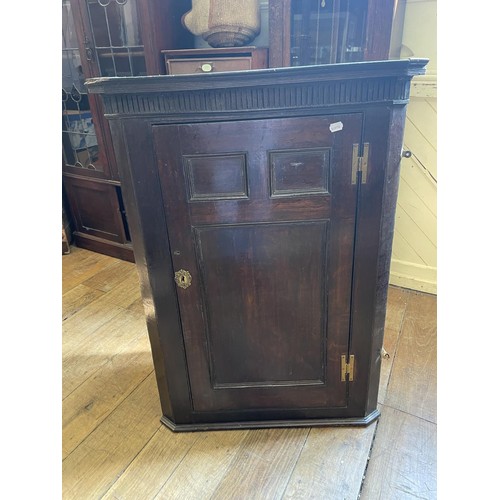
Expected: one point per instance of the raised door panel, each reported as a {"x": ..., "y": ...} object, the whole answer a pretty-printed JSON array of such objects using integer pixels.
[
  {"x": 96, "y": 209},
  {"x": 261, "y": 308},
  {"x": 262, "y": 216}
]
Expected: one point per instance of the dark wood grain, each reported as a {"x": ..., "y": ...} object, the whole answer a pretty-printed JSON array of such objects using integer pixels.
[
  {"x": 216, "y": 177},
  {"x": 299, "y": 172},
  {"x": 265, "y": 297},
  {"x": 279, "y": 33},
  {"x": 160, "y": 21},
  {"x": 95, "y": 208},
  {"x": 251, "y": 274},
  {"x": 221, "y": 59},
  {"x": 152, "y": 253},
  {"x": 249, "y": 188},
  {"x": 378, "y": 76},
  {"x": 379, "y": 23},
  {"x": 389, "y": 188},
  {"x": 122, "y": 251}
]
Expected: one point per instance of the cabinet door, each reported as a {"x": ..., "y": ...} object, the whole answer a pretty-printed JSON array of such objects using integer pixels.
[
  {"x": 310, "y": 32},
  {"x": 100, "y": 38},
  {"x": 84, "y": 149},
  {"x": 96, "y": 209},
  {"x": 86, "y": 139},
  {"x": 112, "y": 38},
  {"x": 261, "y": 215}
]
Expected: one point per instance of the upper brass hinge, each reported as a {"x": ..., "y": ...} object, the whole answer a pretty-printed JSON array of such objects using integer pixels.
[
  {"x": 360, "y": 163},
  {"x": 347, "y": 368}
]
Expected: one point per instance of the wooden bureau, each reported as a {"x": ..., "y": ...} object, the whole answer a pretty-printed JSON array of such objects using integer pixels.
[{"x": 261, "y": 205}]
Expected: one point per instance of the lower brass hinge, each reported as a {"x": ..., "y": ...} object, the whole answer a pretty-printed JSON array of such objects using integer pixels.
[
  {"x": 360, "y": 163},
  {"x": 347, "y": 368}
]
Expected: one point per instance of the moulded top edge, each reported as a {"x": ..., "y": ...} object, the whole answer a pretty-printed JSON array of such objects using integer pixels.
[{"x": 271, "y": 76}]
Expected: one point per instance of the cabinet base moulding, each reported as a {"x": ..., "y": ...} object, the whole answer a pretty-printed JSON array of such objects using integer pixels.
[{"x": 267, "y": 424}]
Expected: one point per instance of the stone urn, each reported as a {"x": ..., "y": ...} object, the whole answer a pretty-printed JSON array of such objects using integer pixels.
[{"x": 224, "y": 23}]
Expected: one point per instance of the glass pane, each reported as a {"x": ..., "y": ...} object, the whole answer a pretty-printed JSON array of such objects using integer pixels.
[
  {"x": 121, "y": 62},
  {"x": 138, "y": 62},
  {"x": 71, "y": 67},
  {"x": 327, "y": 31},
  {"x": 69, "y": 39},
  {"x": 79, "y": 139},
  {"x": 117, "y": 37}
]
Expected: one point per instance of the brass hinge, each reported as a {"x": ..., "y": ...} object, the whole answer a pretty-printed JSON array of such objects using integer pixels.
[
  {"x": 360, "y": 163},
  {"x": 347, "y": 369}
]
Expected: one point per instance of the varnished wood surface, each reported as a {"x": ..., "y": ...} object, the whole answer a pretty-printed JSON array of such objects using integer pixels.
[
  {"x": 168, "y": 139},
  {"x": 249, "y": 277},
  {"x": 114, "y": 445}
]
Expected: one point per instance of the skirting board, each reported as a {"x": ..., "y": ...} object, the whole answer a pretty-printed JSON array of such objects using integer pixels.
[{"x": 413, "y": 276}]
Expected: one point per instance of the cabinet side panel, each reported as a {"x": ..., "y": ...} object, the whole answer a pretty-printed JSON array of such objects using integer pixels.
[
  {"x": 368, "y": 238},
  {"x": 390, "y": 194},
  {"x": 143, "y": 202}
]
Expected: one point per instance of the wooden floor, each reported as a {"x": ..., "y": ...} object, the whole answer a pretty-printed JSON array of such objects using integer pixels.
[{"x": 115, "y": 447}]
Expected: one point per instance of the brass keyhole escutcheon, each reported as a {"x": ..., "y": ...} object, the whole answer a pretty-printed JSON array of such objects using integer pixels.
[{"x": 183, "y": 278}]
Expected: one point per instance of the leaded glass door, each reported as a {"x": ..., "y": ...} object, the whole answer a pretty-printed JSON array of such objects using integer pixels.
[
  {"x": 100, "y": 38},
  {"x": 84, "y": 148},
  {"x": 114, "y": 40},
  {"x": 327, "y": 31}
]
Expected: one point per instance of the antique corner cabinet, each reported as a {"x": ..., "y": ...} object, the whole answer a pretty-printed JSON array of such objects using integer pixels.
[{"x": 261, "y": 205}]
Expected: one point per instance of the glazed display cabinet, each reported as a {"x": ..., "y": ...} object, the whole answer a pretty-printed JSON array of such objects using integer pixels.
[{"x": 105, "y": 38}]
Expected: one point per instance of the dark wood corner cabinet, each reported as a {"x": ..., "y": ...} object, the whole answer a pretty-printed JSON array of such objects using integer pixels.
[{"x": 261, "y": 206}]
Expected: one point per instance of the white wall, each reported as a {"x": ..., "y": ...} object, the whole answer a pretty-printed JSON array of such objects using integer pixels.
[{"x": 414, "y": 258}]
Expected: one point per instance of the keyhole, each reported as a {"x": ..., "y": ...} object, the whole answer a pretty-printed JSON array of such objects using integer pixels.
[{"x": 183, "y": 278}]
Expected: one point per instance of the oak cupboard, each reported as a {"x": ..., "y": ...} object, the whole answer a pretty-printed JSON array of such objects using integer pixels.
[{"x": 261, "y": 206}]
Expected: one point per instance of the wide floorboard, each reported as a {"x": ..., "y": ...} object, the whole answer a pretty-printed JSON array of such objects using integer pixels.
[{"x": 115, "y": 447}]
